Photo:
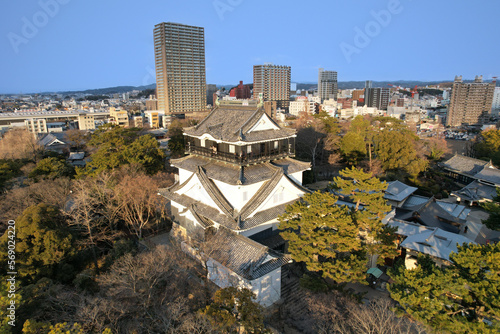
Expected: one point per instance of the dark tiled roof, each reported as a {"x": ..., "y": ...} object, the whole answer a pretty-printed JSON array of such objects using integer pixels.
[
  {"x": 398, "y": 191},
  {"x": 490, "y": 175},
  {"x": 202, "y": 220},
  {"x": 232, "y": 123},
  {"x": 465, "y": 165},
  {"x": 234, "y": 175},
  {"x": 431, "y": 214},
  {"x": 201, "y": 209},
  {"x": 291, "y": 166},
  {"x": 476, "y": 191},
  {"x": 264, "y": 216},
  {"x": 247, "y": 258},
  {"x": 211, "y": 214},
  {"x": 225, "y": 172}
]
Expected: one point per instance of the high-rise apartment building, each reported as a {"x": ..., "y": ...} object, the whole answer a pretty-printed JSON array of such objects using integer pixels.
[
  {"x": 377, "y": 98},
  {"x": 495, "y": 106},
  {"x": 180, "y": 68},
  {"x": 470, "y": 103},
  {"x": 327, "y": 85},
  {"x": 273, "y": 81},
  {"x": 211, "y": 90}
]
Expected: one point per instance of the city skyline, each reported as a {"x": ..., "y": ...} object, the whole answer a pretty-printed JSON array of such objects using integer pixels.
[{"x": 58, "y": 45}]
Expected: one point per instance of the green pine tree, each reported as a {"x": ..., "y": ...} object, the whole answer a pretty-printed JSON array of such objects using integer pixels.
[{"x": 323, "y": 235}]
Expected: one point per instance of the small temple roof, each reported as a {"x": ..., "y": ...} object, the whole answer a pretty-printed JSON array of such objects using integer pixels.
[
  {"x": 466, "y": 165},
  {"x": 398, "y": 191},
  {"x": 231, "y": 123},
  {"x": 429, "y": 240},
  {"x": 476, "y": 191}
]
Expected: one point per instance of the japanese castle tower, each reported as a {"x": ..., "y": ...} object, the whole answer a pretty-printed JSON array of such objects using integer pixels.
[{"x": 237, "y": 178}]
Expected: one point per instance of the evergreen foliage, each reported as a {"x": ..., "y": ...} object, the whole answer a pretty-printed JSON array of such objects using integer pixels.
[
  {"x": 323, "y": 235},
  {"x": 42, "y": 243},
  {"x": 493, "y": 221},
  {"x": 116, "y": 146},
  {"x": 232, "y": 308},
  {"x": 52, "y": 168},
  {"x": 461, "y": 298}
]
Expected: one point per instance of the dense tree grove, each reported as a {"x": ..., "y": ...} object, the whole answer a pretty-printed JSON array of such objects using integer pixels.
[
  {"x": 379, "y": 143},
  {"x": 114, "y": 146}
]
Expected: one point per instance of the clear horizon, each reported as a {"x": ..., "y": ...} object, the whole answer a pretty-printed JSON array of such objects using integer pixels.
[{"x": 68, "y": 45}]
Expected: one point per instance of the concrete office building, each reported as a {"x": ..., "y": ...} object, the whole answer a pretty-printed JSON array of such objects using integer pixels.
[
  {"x": 180, "y": 68},
  {"x": 470, "y": 103},
  {"x": 273, "y": 81},
  {"x": 327, "y": 84}
]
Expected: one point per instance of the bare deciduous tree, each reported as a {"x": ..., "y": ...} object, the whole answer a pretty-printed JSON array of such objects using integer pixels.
[
  {"x": 138, "y": 202},
  {"x": 338, "y": 314},
  {"x": 92, "y": 210},
  {"x": 15, "y": 201},
  {"x": 19, "y": 144}
]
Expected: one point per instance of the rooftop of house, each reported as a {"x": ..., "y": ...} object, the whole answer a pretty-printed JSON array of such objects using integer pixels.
[
  {"x": 465, "y": 165},
  {"x": 52, "y": 139},
  {"x": 476, "y": 191},
  {"x": 247, "y": 258},
  {"x": 432, "y": 214},
  {"x": 234, "y": 123},
  {"x": 489, "y": 174},
  {"x": 398, "y": 191},
  {"x": 429, "y": 240},
  {"x": 76, "y": 155}
]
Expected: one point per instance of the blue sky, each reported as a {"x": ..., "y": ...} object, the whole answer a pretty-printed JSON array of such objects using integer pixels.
[{"x": 52, "y": 45}]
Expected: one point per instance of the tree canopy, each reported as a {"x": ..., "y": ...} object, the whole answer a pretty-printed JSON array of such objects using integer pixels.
[
  {"x": 322, "y": 235},
  {"x": 42, "y": 242},
  {"x": 52, "y": 168},
  {"x": 397, "y": 151},
  {"x": 116, "y": 146},
  {"x": 233, "y": 307},
  {"x": 176, "y": 141},
  {"x": 487, "y": 146},
  {"x": 461, "y": 298},
  {"x": 493, "y": 221}
]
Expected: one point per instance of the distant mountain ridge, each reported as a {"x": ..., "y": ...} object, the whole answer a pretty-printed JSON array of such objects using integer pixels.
[{"x": 303, "y": 85}]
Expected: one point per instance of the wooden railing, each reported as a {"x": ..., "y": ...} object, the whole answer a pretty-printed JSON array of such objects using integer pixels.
[{"x": 239, "y": 159}]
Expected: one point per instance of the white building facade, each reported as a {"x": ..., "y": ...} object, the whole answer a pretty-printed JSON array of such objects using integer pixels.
[{"x": 237, "y": 179}]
